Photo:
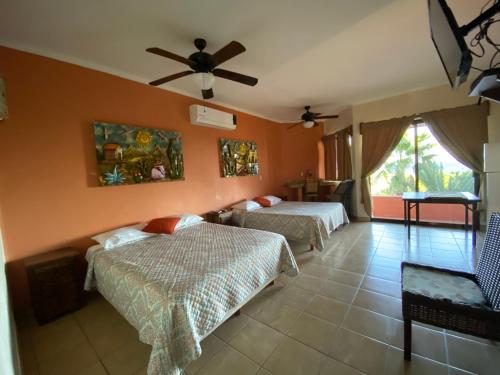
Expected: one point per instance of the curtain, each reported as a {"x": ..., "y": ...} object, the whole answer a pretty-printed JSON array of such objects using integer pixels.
[
  {"x": 330, "y": 157},
  {"x": 378, "y": 141},
  {"x": 462, "y": 132},
  {"x": 338, "y": 155},
  {"x": 344, "y": 166}
]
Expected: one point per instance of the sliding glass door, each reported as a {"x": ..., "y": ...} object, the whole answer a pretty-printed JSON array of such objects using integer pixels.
[{"x": 419, "y": 163}]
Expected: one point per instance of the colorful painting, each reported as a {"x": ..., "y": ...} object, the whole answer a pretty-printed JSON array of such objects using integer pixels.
[
  {"x": 238, "y": 158},
  {"x": 134, "y": 155}
]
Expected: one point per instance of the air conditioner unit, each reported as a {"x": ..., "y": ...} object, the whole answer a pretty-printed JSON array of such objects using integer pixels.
[{"x": 213, "y": 118}]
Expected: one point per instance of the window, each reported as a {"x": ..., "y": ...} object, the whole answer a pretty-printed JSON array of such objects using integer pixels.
[{"x": 419, "y": 163}]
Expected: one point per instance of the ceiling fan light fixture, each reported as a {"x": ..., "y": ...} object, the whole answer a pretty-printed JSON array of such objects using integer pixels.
[
  {"x": 308, "y": 124},
  {"x": 204, "y": 81}
]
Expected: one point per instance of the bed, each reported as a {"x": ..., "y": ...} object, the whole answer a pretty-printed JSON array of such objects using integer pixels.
[
  {"x": 310, "y": 222},
  {"x": 176, "y": 289}
]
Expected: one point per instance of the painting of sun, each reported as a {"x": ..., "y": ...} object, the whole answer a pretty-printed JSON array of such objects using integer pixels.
[{"x": 133, "y": 155}]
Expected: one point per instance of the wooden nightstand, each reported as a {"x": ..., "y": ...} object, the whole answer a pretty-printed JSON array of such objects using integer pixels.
[
  {"x": 55, "y": 283},
  {"x": 220, "y": 217}
]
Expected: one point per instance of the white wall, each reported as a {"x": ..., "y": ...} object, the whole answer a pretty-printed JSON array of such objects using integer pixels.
[
  {"x": 414, "y": 102},
  {"x": 9, "y": 357}
]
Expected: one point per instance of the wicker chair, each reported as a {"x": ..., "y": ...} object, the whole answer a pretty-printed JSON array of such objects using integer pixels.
[{"x": 460, "y": 301}]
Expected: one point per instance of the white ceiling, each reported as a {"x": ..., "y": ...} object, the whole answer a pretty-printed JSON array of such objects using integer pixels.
[{"x": 327, "y": 53}]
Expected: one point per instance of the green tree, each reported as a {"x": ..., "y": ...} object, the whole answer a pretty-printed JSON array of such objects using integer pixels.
[{"x": 398, "y": 171}]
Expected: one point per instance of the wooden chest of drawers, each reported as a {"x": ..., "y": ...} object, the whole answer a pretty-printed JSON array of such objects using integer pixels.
[{"x": 55, "y": 283}]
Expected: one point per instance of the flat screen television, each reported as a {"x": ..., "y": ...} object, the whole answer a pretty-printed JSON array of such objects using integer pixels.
[{"x": 449, "y": 42}]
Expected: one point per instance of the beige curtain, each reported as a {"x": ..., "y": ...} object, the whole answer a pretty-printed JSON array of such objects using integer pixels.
[
  {"x": 330, "y": 157},
  {"x": 378, "y": 141},
  {"x": 462, "y": 132},
  {"x": 338, "y": 155},
  {"x": 344, "y": 166}
]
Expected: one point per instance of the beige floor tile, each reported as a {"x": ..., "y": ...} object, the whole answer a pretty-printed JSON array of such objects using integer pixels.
[
  {"x": 229, "y": 361},
  {"x": 308, "y": 282},
  {"x": 315, "y": 332},
  {"x": 425, "y": 342},
  {"x": 279, "y": 316},
  {"x": 56, "y": 337},
  {"x": 76, "y": 358},
  {"x": 26, "y": 352},
  {"x": 230, "y": 328},
  {"x": 473, "y": 356},
  {"x": 128, "y": 359},
  {"x": 379, "y": 303},
  {"x": 392, "y": 274},
  {"x": 143, "y": 371},
  {"x": 373, "y": 325},
  {"x": 346, "y": 277},
  {"x": 209, "y": 346},
  {"x": 354, "y": 265},
  {"x": 296, "y": 297},
  {"x": 339, "y": 291},
  {"x": 94, "y": 369},
  {"x": 294, "y": 358},
  {"x": 257, "y": 341},
  {"x": 333, "y": 367},
  {"x": 263, "y": 371},
  {"x": 256, "y": 304},
  {"x": 457, "y": 371},
  {"x": 328, "y": 309},
  {"x": 382, "y": 286},
  {"x": 360, "y": 352},
  {"x": 396, "y": 365},
  {"x": 317, "y": 270},
  {"x": 111, "y": 337}
]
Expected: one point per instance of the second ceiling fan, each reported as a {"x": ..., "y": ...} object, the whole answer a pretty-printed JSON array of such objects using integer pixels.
[
  {"x": 204, "y": 66},
  {"x": 309, "y": 118}
]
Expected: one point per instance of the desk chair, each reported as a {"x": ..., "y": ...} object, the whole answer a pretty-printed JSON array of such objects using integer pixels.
[{"x": 312, "y": 187}]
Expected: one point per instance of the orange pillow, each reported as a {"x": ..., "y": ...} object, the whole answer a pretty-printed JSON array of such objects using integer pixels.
[
  {"x": 264, "y": 202},
  {"x": 162, "y": 225}
]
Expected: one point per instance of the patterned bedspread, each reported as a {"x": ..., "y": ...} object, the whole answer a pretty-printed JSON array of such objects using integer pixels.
[
  {"x": 310, "y": 222},
  {"x": 174, "y": 289}
]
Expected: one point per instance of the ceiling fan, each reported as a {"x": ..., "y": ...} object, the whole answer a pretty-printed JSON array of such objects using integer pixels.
[
  {"x": 203, "y": 66},
  {"x": 309, "y": 118}
]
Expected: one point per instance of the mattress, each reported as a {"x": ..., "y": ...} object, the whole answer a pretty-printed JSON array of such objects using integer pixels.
[
  {"x": 311, "y": 222},
  {"x": 175, "y": 289}
]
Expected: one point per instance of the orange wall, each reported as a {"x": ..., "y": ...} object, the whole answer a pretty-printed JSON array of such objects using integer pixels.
[{"x": 48, "y": 192}]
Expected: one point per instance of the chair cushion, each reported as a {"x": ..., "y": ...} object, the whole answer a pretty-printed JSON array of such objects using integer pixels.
[{"x": 442, "y": 285}]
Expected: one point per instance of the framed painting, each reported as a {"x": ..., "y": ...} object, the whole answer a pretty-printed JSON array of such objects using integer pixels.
[
  {"x": 134, "y": 155},
  {"x": 238, "y": 158}
]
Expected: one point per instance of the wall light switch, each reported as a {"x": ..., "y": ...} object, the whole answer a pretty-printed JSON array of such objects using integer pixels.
[{"x": 3, "y": 101}]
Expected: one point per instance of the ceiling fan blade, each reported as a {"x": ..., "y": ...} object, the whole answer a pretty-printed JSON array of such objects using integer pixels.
[
  {"x": 228, "y": 52},
  {"x": 294, "y": 125},
  {"x": 325, "y": 117},
  {"x": 170, "y": 78},
  {"x": 169, "y": 55},
  {"x": 207, "y": 94},
  {"x": 241, "y": 78}
]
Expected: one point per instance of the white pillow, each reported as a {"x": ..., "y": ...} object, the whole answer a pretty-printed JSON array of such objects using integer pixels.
[
  {"x": 121, "y": 236},
  {"x": 247, "y": 206},
  {"x": 187, "y": 220},
  {"x": 274, "y": 200}
]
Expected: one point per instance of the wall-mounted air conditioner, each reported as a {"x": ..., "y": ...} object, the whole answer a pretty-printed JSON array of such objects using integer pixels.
[{"x": 206, "y": 116}]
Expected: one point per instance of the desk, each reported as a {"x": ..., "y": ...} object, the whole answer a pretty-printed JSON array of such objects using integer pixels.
[
  {"x": 299, "y": 185},
  {"x": 468, "y": 200}
]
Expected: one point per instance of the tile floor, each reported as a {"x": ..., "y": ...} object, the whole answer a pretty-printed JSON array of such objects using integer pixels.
[{"x": 341, "y": 315}]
